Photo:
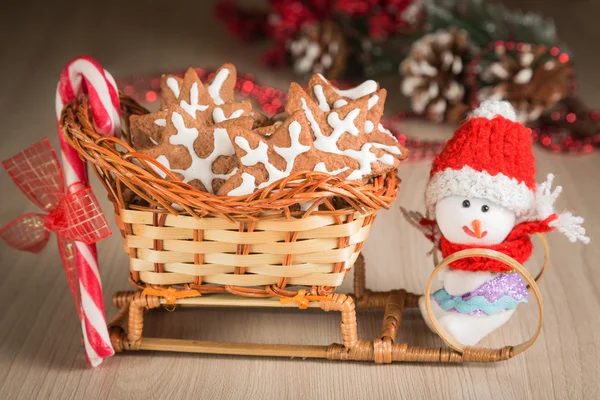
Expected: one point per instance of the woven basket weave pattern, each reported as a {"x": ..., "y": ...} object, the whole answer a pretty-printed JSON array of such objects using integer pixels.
[{"x": 212, "y": 252}]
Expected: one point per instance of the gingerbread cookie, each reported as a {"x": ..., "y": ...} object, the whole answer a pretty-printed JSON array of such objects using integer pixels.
[
  {"x": 170, "y": 88},
  {"x": 194, "y": 109},
  {"x": 341, "y": 132},
  {"x": 214, "y": 97},
  {"x": 220, "y": 89},
  {"x": 383, "y": 137},
  {"x": 199, "y": 153},
  {"x": 266, "y": 159},
  {"x": 328, "y": 97},
  {"x": 146, "y": 130}
]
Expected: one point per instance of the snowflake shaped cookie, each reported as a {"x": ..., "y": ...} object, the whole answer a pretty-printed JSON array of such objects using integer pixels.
[
  {"x": 289, "y": 149},
  {"x": 200, "y": 153},
  {"x": 190, "y": 135},
  {"x": 341, "y": 131}
]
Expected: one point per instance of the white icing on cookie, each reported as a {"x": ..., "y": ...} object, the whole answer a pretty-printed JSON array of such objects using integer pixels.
[
  {"x": 321, "y": 167},
  {"x": 160, "y": 122},
  {"x": 314, "y": 125},
  {"x": 200, "y": 168},
  {"x": 369, "y": 126},
  {"x": 372, "y": 101},
  {"x": 386, "y": 131},
  {"x": 193, "y": 105},
  {"x": 389, "y": 149},
  {"x": 365, "y": 157},
  {"x": 260, "y": 154},
  {"x": 305, "y": 205},
  {"x": 219, "y": 115},
  {"x": 345, "y": 125},
  {"x": 318, "y": 91},
  {"x": 364, "y": 89},
  {"x": 339, "y": 103},
  {"x": 214, "y": 89},
  {"x": 173, "y": 85},
  {"x": 165, "y": 162},
  {"x": 386, "y": 158},
  {"x": 246, "y": 187},
  {"x": 328, "y": 144}
]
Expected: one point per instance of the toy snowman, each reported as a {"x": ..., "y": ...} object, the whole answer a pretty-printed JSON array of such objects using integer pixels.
[{"x": 482, "y": 194}]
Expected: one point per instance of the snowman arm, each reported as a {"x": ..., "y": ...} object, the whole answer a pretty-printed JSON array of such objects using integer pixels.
[
  {"x": 428, "y": 227},
  {"x": 545, "y": 198},
  {"x": 565, "y": 222},
  {"x": 571, "y": 226}
]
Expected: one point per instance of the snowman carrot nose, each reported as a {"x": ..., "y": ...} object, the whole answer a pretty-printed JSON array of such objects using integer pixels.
[
  {"x": 477, "y": 229},
  {"x": 476, "y": 232}
]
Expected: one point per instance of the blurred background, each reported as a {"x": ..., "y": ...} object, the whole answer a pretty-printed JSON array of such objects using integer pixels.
[
  {"x": 471, "y": 44},
  {"x": 435, "y": 58},
  {"x": 282, "y": 40}
]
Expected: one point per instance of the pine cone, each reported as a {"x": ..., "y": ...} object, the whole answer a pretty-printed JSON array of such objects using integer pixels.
[
  {"x": 531, "y": 79},
  {"x": 434, "y": 74},
  {"x": 319, "y": 48}
]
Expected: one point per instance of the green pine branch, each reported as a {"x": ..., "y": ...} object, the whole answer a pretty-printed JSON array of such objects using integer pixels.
[{"x": 487, "y": 21}]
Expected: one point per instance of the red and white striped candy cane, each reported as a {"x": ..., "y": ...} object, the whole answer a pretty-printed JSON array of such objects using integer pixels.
[{"x": 85, "y": 75}]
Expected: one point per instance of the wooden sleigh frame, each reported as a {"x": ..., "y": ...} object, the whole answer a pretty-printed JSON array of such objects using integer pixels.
[{"x": 126, "y": 329}]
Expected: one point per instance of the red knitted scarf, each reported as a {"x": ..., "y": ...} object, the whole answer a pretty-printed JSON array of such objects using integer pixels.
[{"x": 517, "y": 245}]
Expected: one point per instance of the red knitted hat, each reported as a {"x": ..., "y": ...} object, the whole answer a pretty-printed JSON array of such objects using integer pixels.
[{"x": 489, "y": 157}]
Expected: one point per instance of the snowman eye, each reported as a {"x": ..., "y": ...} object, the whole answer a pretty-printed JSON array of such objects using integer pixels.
[
  {"x": 466, "y": 204},
  {"x": 485, "y": 208}
]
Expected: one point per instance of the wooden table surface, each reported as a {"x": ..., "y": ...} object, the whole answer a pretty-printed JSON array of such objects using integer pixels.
[{"x": 40, "y": 349}]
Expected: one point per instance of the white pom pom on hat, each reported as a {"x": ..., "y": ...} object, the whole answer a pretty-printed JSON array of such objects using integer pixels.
[{"x": 490, "y": 109}]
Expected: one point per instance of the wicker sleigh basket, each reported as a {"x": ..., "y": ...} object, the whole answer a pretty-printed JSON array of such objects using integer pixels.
[{"x": 186, "y": 243}]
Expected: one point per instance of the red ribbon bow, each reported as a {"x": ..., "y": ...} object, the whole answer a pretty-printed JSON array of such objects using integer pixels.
[{"x": 74, "y": 217}]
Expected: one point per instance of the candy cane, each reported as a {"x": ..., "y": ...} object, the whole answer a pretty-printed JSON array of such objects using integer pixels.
[{"x": 85, "y": 75}]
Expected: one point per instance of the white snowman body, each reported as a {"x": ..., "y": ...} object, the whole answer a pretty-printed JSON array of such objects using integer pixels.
[
  {"x": 479, "y": 184},
  {"x": 469, "y": 221}
]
